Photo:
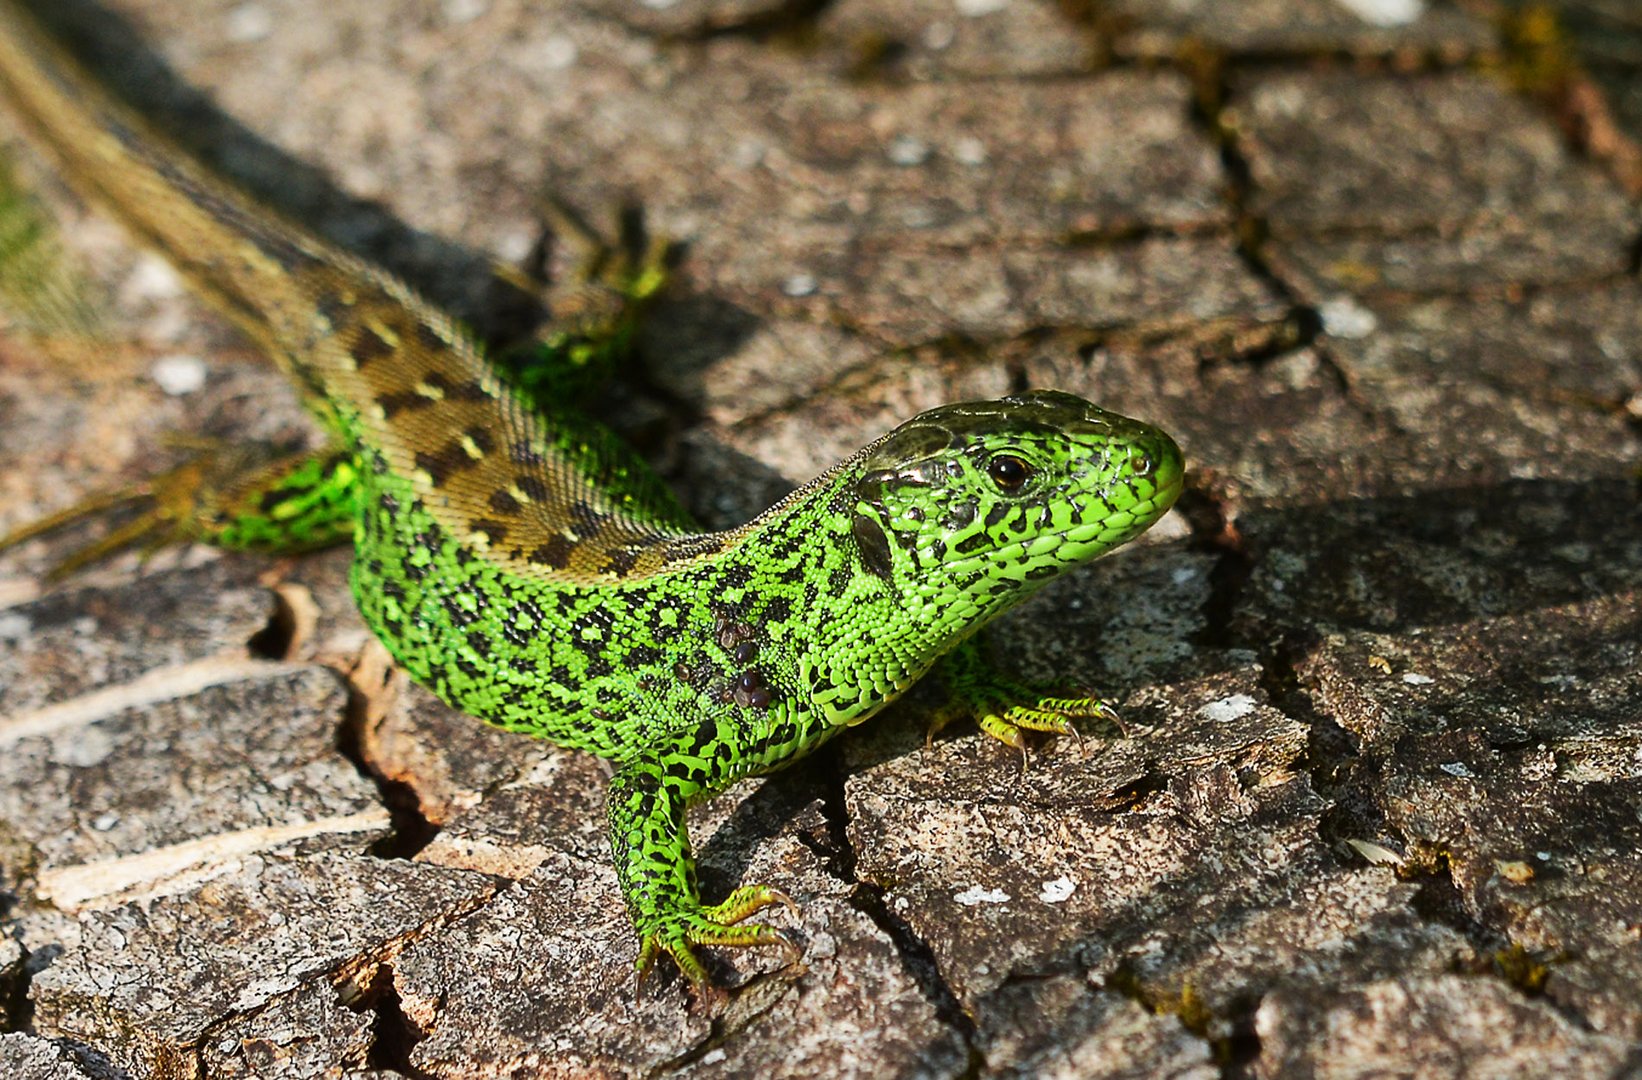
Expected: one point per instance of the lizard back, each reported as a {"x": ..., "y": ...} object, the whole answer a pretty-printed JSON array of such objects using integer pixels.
[{"x": 402, "y": 384}]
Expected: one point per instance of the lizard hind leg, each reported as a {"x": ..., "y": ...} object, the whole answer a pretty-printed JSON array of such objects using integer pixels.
[
  {"x": 593, "y": 314},
  {"x": 239, "y": 497}
]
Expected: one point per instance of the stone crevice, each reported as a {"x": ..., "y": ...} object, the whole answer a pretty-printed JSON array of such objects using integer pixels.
[
  {"x": 412, "y": 830},
  {"x": 917, "y": 958},
  {"x": 393, "y": 1034}
]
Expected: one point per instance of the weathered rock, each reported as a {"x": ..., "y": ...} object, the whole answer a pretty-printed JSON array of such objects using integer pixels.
[
  {"x": 1091, "y": 1035},
  {"x": 542, "y": 979},
  {"x": 1372, "y": 804},
  {"x": 243, "y": 766},
  {"x": 1423, "y": 185},
  {"x": 308, "y": 1034},
  {"x": 26, "y": 1057},
  {"x": 983, "y": 39},
  {"x": 1449, "y": 1024},
  {"x": 73, "y": 642},
  {"x": 152, "y": 981}
]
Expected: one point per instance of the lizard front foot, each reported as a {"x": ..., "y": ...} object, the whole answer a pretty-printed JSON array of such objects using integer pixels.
[
  {"x": 1008, "y": 708},
  {"x": 1003, "y": 708},
  {"x": 719, "y": 926}
]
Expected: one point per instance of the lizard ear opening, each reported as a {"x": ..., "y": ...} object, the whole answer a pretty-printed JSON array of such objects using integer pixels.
[{"x": 874, "y": 545}]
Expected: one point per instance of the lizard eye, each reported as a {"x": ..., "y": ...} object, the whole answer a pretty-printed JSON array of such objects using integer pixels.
[{"x": 1008, "y": 472}]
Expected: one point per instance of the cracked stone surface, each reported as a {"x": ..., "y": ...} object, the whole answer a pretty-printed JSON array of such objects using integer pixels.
[
  {"x": 151, "y": 983},
  {"x": 28, "y": 1057},
  {"x": 1439, "y": 183},
  {"x": 1372, "y": 806},
  {"x": 1453, "y": 1023}
]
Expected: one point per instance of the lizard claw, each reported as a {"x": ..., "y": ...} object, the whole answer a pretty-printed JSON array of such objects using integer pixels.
[
  {"x": 1004, "y": 709},
  {"x": 719, "y": 926}
]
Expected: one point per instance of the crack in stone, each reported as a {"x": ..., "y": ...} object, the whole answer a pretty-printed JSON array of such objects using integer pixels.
[
  {"x": 919, "y": 962},
  {"x": 1439, "y": 900},
  {"x": 393, "y": 1034},
  {"x": 1232, "y": 1052},
  {"x": 411, "y": 829},
  {"x": 1332, "y": 756},
  {"x": 1336, "y": 766},
  {"x": 279, "y": 634},
  {"x": 1211, "y": 88},
  {"x": 1209, "y": 515},
  {"x": 917, "y": 958},
  {"x": 750, "y": 1001},
  {"x": 16, "y": 1006},
  {"x": 709, "y": 1042}
]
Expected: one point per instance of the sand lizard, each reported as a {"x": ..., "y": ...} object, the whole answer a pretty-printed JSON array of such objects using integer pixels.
[{"x": 516, "y": 560}]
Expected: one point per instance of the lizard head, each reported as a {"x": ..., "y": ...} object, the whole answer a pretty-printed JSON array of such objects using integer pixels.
[{"x": 968, "y": 508}]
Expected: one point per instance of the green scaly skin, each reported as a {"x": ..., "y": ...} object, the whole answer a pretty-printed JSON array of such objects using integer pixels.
[{"x": 519, "y": 562}]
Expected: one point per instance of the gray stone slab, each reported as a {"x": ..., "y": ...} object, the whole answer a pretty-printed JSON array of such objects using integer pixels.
[
  {"x": 556, "y": 805},
  {"x": 1452, "y": 1025},
  {"x": 149, "y": 982},
  {"x": 899, "y": 212},
  {"x": 928, "y": 165},
  {"x": 1155, "y": 285},
  {"x": 1005, "y": 874},
  {"x": 693, "y": 18},
  {"x": 1484, "y": 683},
  {"x": 1091, "y": 1035},
  {"x": 1549, "y": 868},
  {"x": 542, "y": 974},
  {"x": 308, "y": 1035},
  {"x": 248, "y": 764},
  {"x": 28, "y": 1057},
  {"x": 1446, "y": 183},
  {"x": 1441, "y": 557},
  {"x": 932, "y": 39},
  {"x": 76, "y": 640},
  {"x": 1567, "y": 351},
  {"x": 543, "y": 978},
  {"x": 1577, "y": 656}
]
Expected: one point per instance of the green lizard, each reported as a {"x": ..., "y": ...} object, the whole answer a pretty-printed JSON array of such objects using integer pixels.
[{"x": 515, "y": 559}]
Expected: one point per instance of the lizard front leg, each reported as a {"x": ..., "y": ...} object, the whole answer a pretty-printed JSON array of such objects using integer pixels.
[
  {"x": 1004, "y": 708},
  {"x": 647, "y": 805}
]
